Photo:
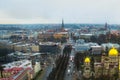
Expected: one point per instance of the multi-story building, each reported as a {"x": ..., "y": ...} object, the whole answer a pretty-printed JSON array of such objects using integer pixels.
[
  {"x": 49, "y": 47},
  {"x": 30, "y": 47},
  {"x": 20, "y": 70}
]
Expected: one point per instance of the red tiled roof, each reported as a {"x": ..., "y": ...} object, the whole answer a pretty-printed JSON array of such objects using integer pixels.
[
  {"x": 14, "y": 71},
  {"x": 50, "y": 31}
]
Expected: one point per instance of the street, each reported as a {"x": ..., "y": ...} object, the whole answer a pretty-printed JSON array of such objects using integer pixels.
[{"x": 70, "y": 67}]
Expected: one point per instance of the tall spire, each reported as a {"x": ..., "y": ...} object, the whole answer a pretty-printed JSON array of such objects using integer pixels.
[{"x": 62, "y": 24}]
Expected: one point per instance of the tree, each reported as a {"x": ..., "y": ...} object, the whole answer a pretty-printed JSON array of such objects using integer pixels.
[
  {"x": 1, "y": 70},
  {"x": 106, "y": 49},
  {"x": 93, "y": 39},
  {"x": 102, "y": 39},
  {"x": 92, "y": 63},
  {"x": 113, "y": 38}
]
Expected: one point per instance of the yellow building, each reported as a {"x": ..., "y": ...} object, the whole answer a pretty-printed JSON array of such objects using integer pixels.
[
  {"x": 35, "y": 48},
  {"x": 60, "y": 35}
]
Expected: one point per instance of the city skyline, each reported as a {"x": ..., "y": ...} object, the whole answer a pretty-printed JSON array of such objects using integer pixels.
[{"x": 53, "y": 11}]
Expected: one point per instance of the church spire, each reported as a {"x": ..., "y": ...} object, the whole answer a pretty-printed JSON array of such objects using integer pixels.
[{"x": 62, "y": 24}]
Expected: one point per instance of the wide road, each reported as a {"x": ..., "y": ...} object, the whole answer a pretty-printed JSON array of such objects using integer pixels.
[{"x": 70, "y": 67}]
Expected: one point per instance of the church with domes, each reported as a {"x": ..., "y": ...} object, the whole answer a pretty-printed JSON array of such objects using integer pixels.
[
  {"x": 109, "y": 66},
  {"x": 110, "y": 62}
]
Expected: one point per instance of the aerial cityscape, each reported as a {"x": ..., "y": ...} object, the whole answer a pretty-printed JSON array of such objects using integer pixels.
[
  {"x": 61, "y": 52},
  {"x": 59, "y": 40}
]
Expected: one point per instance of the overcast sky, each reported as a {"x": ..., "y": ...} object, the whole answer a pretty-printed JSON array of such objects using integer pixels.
[{"x": 53, "y": 11}]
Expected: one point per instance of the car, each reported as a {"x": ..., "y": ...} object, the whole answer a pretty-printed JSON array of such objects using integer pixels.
[
  {"x": 71, "y": 58},
  {"x": 68, "y": 71}
]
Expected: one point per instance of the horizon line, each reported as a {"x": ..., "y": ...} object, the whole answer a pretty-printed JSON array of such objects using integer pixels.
[{"x": 58, "y": 23}]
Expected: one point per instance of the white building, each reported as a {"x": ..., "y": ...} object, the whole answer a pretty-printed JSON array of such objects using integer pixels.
[
  {"x": 96, "y": 49},
  {"x": 110, "y": 45},
  {"x": 84, "y": 46}
]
